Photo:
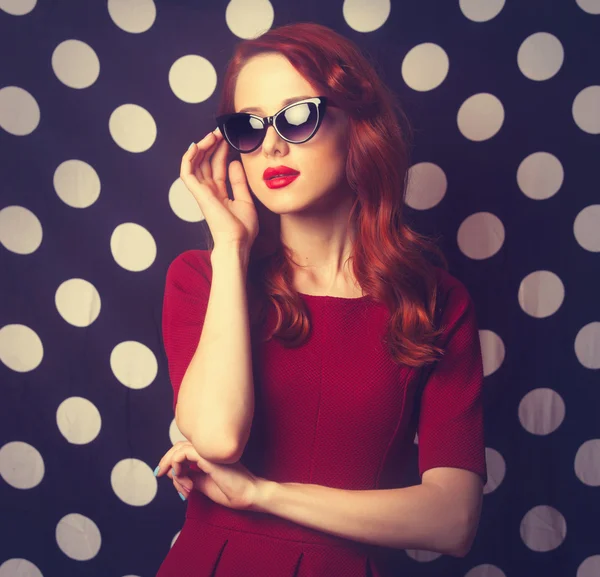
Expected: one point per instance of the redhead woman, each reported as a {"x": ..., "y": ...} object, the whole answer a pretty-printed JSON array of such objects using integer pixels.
[{"x": 317, "y": 334}]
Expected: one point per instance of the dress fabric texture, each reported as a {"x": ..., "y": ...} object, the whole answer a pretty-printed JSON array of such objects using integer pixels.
[{"x": 337, "y": 411}]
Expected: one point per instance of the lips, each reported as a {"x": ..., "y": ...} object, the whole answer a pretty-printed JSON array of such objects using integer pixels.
[{"x": 278, "y": 171}]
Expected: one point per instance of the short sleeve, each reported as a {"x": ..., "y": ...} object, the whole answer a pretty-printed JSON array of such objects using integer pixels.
[
  {"x": 187, "y": 290},
  {"x": 450, "y": 426}
]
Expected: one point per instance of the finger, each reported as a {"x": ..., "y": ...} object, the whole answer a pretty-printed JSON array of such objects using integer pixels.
[
  {"x": 194, "y": 154},
  {"x": 183, "y": 485},
  {"x": 201, "y": 165},
  {"x": 195, "y": 181},
  {"x": 183, "y": 453},
  {"x": 164, "y": 465},
  {"x": 219, "y": 171},
  {"x": 202, "y": 168},
  {"x": 239, "y": 184},
  {"x": 205, "y": 165}
]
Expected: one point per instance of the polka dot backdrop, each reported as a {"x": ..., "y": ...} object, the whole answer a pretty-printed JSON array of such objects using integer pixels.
[{"x": 99, "y": 101}]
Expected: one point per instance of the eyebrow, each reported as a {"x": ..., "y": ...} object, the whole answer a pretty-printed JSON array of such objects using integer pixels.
[{"x": 283, "y": 104}]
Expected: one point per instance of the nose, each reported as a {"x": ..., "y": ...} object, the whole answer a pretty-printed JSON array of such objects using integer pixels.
[{"x": 272, "y": 141}]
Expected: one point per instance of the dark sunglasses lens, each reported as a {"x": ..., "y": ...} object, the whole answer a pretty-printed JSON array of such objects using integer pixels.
[
  {"x": 297, "y": 123},
  {"x": 244, "y": 132}
]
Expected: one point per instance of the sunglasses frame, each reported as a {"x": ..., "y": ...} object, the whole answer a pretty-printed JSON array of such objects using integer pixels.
[{"x": 322, "y": 103}]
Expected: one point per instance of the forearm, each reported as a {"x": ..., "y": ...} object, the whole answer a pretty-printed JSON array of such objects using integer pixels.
[
  {"x": 216, "y": 397},
  {"x": 417, "y": 517}
]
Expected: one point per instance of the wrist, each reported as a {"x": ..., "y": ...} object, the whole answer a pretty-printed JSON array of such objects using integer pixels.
[
  {"x": 228, "y": 252},
  {"x": 264, "y": 491}
]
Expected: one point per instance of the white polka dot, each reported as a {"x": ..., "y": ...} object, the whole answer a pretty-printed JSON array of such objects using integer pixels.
[
  {"x": 425, "y": 67},
  {"x": 78, "y": 420},
  {"x": 21, "y": 465},
  {"x": 366, "y": 15},
  {"x": 133, "y": 247},
  {"x": 586, "y": 463},
  {"x": 132, "y": 128},
  {"x": 541, "y": 293},
  {"x": 17, "y": 8},
  {"x": 19, "y": 567},
  {"x": 133, "y": 482},
  {"x": 590, "y": 567},
  {"x": 75, "y": 64},
  {"x": 481, "y": 235},
  {"x": 587, "y": 228},
  {"x": 422, "y": 555},
  {"x": 540, "y": 175},
  {"x": 543, "y": 528},
  {"x": 496, "y": 470},
  {"x": 192, "y": 78},
  {"x": 175, "y": 435},
  {"x": 587, "y": 345},
  {"x": 78, "y": 302},
  {"x": 485, "y": 570},
  {"x": 586, "y": 110},
  {"x": 132, "y": 15},
  {"x": 20, "y": 230},
  {"x": 427, "y": 185},
  {"x": 480, "y": 117},
  {"x": 78, "y": 537},
  {"x": 183, "y": 203},
  {"x": 591, "y": 7},
  {"x": 541, "y": 411},
  {"x": 540, "y": 56},
  {"x": 249, "y": 18},
  {"x": 492, "y": 351},
  {"x": 19, "y": 111},
  {"x": 481, "y": 10},
  {"x": 133, "y": 364},
  {"x": 20, "y": 348},
  {"x": 76, "y": 183}
]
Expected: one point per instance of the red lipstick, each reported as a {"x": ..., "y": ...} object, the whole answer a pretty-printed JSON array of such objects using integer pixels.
[
  {"x": 279, "y": 171},
  {"x": 279, "y": 176}
]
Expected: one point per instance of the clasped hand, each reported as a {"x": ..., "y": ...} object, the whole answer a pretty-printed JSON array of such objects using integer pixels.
[{"x": 231, "y": 485}]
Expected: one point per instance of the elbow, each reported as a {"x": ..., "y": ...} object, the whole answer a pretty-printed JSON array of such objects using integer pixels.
[
  {"x": 216, "y": 450},
  {"x": 465, "y": 544},
  {"x": 461, "y": 552},
  {"x": 224, "y": 454}
]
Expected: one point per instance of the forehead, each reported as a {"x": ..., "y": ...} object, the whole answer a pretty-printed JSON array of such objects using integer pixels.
[{"x": 266, "y": 81}]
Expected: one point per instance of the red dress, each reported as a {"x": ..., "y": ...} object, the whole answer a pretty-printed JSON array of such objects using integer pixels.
[{"x": 335, "y": 412}]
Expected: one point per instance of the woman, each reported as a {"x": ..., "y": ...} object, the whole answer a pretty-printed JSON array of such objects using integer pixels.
[{"x": 296, "y": 375}]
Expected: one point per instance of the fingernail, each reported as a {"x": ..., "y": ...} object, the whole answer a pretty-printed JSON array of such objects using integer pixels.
[
  {"x": 156, "y": 470},
  {"x": 173, "y": 473},
  {"x": 190, "y": 146},
  {"x": 182, "y": 497}
]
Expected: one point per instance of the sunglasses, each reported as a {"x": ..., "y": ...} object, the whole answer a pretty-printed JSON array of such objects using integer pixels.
[{"x": 296, "y": 123}]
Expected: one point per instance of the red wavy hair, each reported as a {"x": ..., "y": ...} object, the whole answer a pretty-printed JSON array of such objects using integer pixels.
[{"x": 389, "y": 259}]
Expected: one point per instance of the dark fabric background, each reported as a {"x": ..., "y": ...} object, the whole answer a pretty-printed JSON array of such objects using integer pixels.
[{"x": 96, "y": 110}]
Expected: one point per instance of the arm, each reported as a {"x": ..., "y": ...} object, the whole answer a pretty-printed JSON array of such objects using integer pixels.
[
  {"x": 436, "y": 515},
  {"x": 215, "y": 403}
]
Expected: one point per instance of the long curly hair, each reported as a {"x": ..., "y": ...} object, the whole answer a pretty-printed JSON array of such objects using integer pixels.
[{"x": 390, "y": 260}]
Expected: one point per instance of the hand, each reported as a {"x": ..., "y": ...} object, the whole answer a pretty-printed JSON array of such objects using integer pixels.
[
  {"x": 233, "y": 486},
  {"x": 230, "y": 221}
]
